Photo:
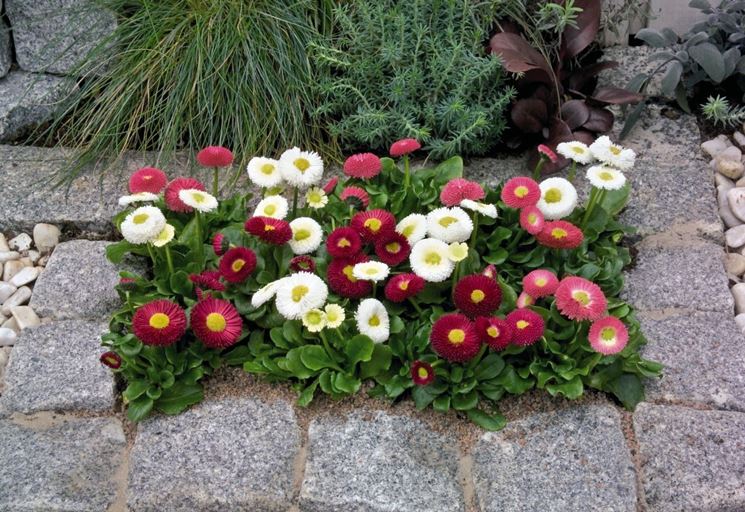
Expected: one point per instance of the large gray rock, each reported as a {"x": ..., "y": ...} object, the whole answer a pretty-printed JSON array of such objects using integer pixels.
[
  {"x": 231, "y": 454},
  {"x": 703, "y": 357},
  {"x": 55, "y": 367},
  {"x": 574, "y": 459},
  {"x": 6, "y": 52},
  {"x": 687, "y": 277},
  {"x": 632, "y": 60},
  {"x": 54, "y": 36},
  {"x": 78, "y": 282},
  {"x": 379, "y": 463},
  {"x": 28, "y": 100},
  {"x": 691, "y": 459},
  {"x": 69, "y": 466}
]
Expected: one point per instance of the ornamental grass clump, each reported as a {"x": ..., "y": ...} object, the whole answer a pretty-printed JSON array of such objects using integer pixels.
[{"x": 426, "y": 284}]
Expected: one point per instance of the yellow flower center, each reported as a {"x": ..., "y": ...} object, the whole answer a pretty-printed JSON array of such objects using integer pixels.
[
  {"x": 403, "y": 285},
  {"x": 299, "y": 292},
  {"x": 522, "y": 324},
  {"x": 159, "y": 321},
  {"x": 532, "y": 218},
  {"x": 302, "y": 164},
  {"x": 331, "y": 316},
  {"x": 492, "y": 331},
  {"x": 615, "y": 150},
  {"x": 581, "y": 296},
  {"x": 578, "y": 150},
  {"x": 238, "y": 265},
  {"x": 553, "y": 195},
  {"x": 606, "y": 176},
  {"x": 608, "y": 335},
  {"x": 432, "y": 258},
  {"x": 521, "y": 191},
  {"x": 198, "y": 197},
  {"x": 314, "y": 317},
  {"x": 477, "y": 296},
  {"x": 267, "y": 169},
  {"x": 343, "y": 243},
  {"x": 348, "y": 272},
  {"x": 216, "y": 322},
  {"x": 447, "y": 220},
  {"x": 371, "y": 271},
  {"x": 374, "y": 321},
  {"x": 393, "y": 247},
  {"x": 541, "y": 282},
  {"x": 269, "y": 210},
  {"x": 422, "y": 372},
  {"x": 407, "y": 231},
  {"x": 140, "y": 218},
  {"x": 301, "y": 234},
  {"x": 269, "y": 227},
  {"x": 456, "y": 336},
  {"x": 559, "y": 233},
  {"x": 373, "y": 225},
  {"x": 314, "y": 197}
]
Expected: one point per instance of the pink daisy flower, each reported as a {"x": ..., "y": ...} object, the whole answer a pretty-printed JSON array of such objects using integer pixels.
[
  {"x": 355, "y": 196},
  {"x": 404, "y": 147},
  {"x": 548, "y": 153},
  {"x": 532, "y": 220},
  {"x": 540, "y": 283},
  {"x": 490, "y": 271},
  {"x": 216, "y": 323},
  {"x": 520, "y": 192},
  {"x": 527, "y": 326},
  {"x": 580, "y": 299},
  {"x": 330, "y": 185},
  {"x": 524, "y": 300},
  {"x": 373, "y": 225},
  {"x": 422, "y": 373},
  {"x": 494, "y": 331},
  {"x": 147, "y": 179},
  {"x": 608, "y": 335},
  {"x": 363, "y": 166},
  {"x": 215, "y": 156},
  {"x": 173, "y": 201},
  {"x": 560, "y": 234},
  {"x": 459, "y": 189},
  {"x": 454, "y": 338}
]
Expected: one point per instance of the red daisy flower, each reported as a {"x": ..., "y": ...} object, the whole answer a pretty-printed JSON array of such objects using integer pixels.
[
  {"x": 402, "y": 286},
  {"x": 458, "y": 189},
  {"x": 560, "y": 234},
  {"x": 237, "y": 264},
  {"x": 548, "y": 153},
  {"x": 159, "y": 323},
  {"x": 209, "y": 279},
  {"x": 608, "y": 335},
  {"x": 490, "y": 271},
  {"x": 454, "y": 338},
  {"x": 532, "y": 220},
  {"x": 342, "y": 282},
  {"x": 111, "y": 359},
  {"x": 404, "y": 147},
  {"x": 215, "y": 156},
  {"x": 524, "y": 300},
  {"x": 422, "y": 373},
  {"x": 362, "y": 165},
  {"x": 526, "y": 325},
  {"x": 302, "y": 263},
  {"x": 520, "y": 192},
  {"x": 173, "y": 201},
  {"x": 343, "y": 242},
  {"x": 220, "y": 244},
  {"x": 392, "y": 249},
  {"x": 216, "y": 323},
  {"x": 147, "y": 179},
  {"x": 373, "y": 224},
  {"x": 330, "y": 185},
  {"x": 540, "y": 283},
  {"x": 269, "y": 230},
  {"x": 477, "y": 295},
  {"x": 494, "y": 331},
  {"x": 356, "y": 197},
  {"x": 127, "y": 284},
  {"x": 580, "y": 299}
]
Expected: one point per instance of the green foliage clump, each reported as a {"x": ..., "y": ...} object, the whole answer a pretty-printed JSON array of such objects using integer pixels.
[{"x": 413, "y": 69}]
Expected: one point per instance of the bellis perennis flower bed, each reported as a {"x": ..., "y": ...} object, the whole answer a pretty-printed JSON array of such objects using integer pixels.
[{"x": 394, "y": 282}]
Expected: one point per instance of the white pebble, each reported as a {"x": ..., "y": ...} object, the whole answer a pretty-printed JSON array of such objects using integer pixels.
[
  {"x": 46, "y": 237},
  {"x": 20, "y": 243},
  {"x": 723, "y": 182},
  {"x": 8, "y": 337},
  {"x": 736, "y": 202},
  {"x": 3, "y": 244},
  {"x": 25, "y": 317},
  {"x": 6, "y": 256},
  {"x": 738, "y": 292},
  {"x": 735, "y": 237},
  {"x": 714, "y": 146},
  {"x": 739, "y": 139},
  {"x": 25, "y": 276},
  {"x": 11, "y": 269},
  {"x": 10, "y": 323},
  {"x": 6, "y": 290},
  {"x": 740, "y": 321},
  {"x": 21, "y": 296}
]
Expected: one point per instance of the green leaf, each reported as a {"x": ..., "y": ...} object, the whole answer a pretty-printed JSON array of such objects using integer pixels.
[
  {"x": 489, "y": 367},
  {"x": 490, "y": 422},
  {"x": 180, "y": 283},
  {"x": 295, "y": 365},
  {"x": 315, "y": 357},
  {"x": 135, "y": 389},
  {"x": 628, "y": 389},
  {"x": 359, "y": 348},
  {"x": 652, "y": 37},
  {"x": 632, "y": 119},
  {"x": 616, "y": 200},
  {"x": 346, "y": 383},
  {"x": 180, "y": 396},
  {"x": 423, "y": 396},
  {"x": 465, "y": 402},
  {"x": 570, "y": 389},
  {"x": 306, "y": 397},
  {"x": 139, "y": 409},
  {"x": 710, "y": 59},
  {"x": 671, "y": 78},
  {"x": 379, "y": 362},
  {"x": 115, "y": 252},
  {"x": 441, "y": 403}
]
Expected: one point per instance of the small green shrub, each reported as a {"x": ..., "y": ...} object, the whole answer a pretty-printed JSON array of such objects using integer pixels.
[{"x": 413, "y": 69}]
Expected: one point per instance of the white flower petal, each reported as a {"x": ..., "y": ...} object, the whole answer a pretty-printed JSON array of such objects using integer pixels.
[
  {"x": 301, "y": 169},
  {"x": 449, "y": 224},
  {"x": 430, "y": 260},
  {"x": 413, "y": 227},
  {"x": 558, "y": 198},
  {"x": 575, "y": 150},
  {"x": 306, "y": 235},
  {"x": 275, "y": 207},
  {"x": 371, "y": 271},
  {"x": 606, "y": 178},
  {"x": 264, "y": 172},
  {"x": 143, "y": 225},
  {"x": 299, "y": 293},
  {"x": 372, "y": 320},
  {"x": 198, "y": 199}
]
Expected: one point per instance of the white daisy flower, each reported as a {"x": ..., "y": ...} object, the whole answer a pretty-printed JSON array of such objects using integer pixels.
[
  {"x": 413, "y": 227},
  {"x": 266, "y": 293},
  {"x": 299, "y": 293},
  {"x": 430, "y": 260},
  {"x": 335, "y": 315},
  {"x": 372, "y": 320},
  {"x": 198, "y": 199},
  {"x": 315, "y": 320},
  {"x": 139, "y": 197},
  {"x": 275, "y": 207},
  {"x": 165, "y": 236},
  {"x": 488, "y": 210},
  {"x": 264, "y": 172},
  {"x": 316, "y": 198},
  {"x": 606, "y": 178},
  {"x": 612, "y": 154},
  {"x": 371, "y": 271},
  {"x": 457, "y": 251},
  {"x": 306, "y": 235},
  {"x": 301, "y": 169},
  {"x": 143, "y": 225},
  {"x": 449, "y": 224},
  {"x": 558, "y": 198},
  {"x": 575, "y": 150}
]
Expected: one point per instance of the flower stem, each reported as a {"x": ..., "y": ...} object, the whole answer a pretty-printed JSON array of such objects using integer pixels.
[
  {"x": 169, "y": 259},
  {"x": 333, "y": 354},
  {"x": 407, "y": 172},
  {"x": 151, "y": 253},
  {"x": 572, "y": 171},
  {"x": 416, "y": 305},
  {"x": 215, "y": 180},
  {"x": 472, "y": 243},
  {"x": 200, "y": 244},
  {"x": 538, "y": 167},
  {"x": 294, "y": 202},
  {"x": 473, "y": 362},
  {"x": 596, "y": 196}
]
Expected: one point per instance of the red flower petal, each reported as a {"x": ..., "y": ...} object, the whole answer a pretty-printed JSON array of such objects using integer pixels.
[
  {"x": 362, "y": 165},
  {"x": 216, "y": 323},
  {"x": 160, "y": 323},
  {"x": 173, "y": 201},
  {"x": 147, "y": 179},
  {"x": 404, "y": 147},
  {"x": 237, "y": 264},
  {"x": 215, "y": 156},
  {"x": 454, "y": 338},
  {"x": 477, "y": 295}
]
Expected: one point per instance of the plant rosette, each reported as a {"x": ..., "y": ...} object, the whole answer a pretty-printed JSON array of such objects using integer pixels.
[{"x": 428, "y": 285}]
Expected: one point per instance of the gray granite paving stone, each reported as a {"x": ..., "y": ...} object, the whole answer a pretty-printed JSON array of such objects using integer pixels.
[
  {"x": 692, "y": 460},
  {"x": 689, "y": 277},
  {"x": 574, "y": 459},
  {"x": 55, "y": 367},
  {"x": 66, "y": 467},
  {"x": 379, "y": 463},
  {"x": 79, "y": 281},
  {"x": 228, "y": 454},
  {"x": 704, "y": 358}
]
